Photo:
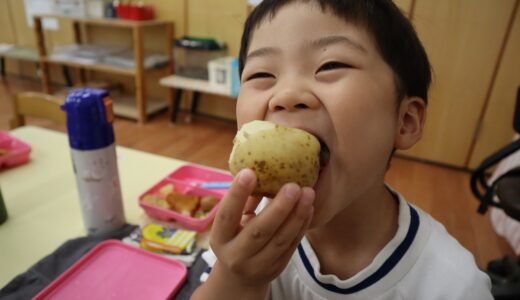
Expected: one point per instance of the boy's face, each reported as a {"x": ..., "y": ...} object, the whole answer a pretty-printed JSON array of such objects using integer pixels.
[{"x": 310, "y": 69}]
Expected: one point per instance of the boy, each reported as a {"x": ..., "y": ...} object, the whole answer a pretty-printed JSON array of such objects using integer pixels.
[{"x": 354, "y": 74}]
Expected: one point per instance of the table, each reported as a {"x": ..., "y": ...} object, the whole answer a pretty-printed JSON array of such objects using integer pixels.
[
  {"x": 42, "y": 200},
  {"x": 197, "y": 86}
]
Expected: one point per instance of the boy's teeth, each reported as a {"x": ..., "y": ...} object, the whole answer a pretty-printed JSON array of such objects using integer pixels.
[{"x": 324, "y": 154}]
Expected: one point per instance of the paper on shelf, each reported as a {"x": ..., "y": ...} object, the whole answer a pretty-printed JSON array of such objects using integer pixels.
[
  {"x": 5, "y": 47},
  {"x": 85, "y": 53},
  {"x": 126, "y": 59},
  {"x": 39, "y": 7}
]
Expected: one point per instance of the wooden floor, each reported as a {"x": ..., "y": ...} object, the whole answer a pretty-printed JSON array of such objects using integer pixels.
[{"x": 442, "y": 192}]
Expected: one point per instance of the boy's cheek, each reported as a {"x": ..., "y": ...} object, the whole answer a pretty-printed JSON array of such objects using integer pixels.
[
  {"x": 248, "y": 109},
  {"x": 243, "y": 113},
  {"x": 240, "y": 107}
]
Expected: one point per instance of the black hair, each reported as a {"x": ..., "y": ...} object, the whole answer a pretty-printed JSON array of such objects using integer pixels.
[{"x": 393, "y": 34}]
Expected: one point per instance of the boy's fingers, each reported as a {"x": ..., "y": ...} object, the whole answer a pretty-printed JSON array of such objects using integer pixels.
[
  {"x": 249, "y": 210},
  {"x": 291, "y": 232},
  {"x": 261, "y": 228},
  {"x": 290, "y": 251},
  {"x": 303, "y": 230},
  {"x": 251, "y": 204},
  {"x": 281, "y": 259},
  {"x": 227, "y": 220}
]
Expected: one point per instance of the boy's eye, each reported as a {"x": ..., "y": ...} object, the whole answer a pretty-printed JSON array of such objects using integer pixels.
[
  {"x": 332, "y": 66},
  {"x": 260, "y": 75}
]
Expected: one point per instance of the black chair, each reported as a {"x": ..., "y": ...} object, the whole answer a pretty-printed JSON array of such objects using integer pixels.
[{"x": 505, "y": 272}]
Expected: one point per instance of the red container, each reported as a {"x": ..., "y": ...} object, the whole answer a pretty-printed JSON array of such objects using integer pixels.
[
  {"x": 135, "y": 12},
  {"x": 122, "y": 11},
  {"x": 17, "y": 152}
]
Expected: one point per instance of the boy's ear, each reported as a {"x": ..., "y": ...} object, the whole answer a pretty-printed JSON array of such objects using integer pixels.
[{"x": 412, "y": 115}]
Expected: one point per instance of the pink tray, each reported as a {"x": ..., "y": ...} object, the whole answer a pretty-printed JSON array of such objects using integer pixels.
[
  {"x": 114, "y": 270},
  {"x": 18, "y": 151},
  {"x": 186, "y": 180}
]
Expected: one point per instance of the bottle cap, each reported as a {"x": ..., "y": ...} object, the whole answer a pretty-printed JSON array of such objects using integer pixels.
[{"x": 89, "y": 119}]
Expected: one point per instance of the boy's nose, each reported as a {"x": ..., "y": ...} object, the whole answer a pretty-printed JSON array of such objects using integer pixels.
[{"x": 292, "y": 99}]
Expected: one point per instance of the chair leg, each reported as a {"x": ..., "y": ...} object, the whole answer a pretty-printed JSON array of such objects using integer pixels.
[
  {"x": 176, "y": 106},
  {"x": 16, "y": 121},
  {"x": 2, "y": 66},
  {"x": 66, "y": 76},
  {"x": 194, "y": 103}
]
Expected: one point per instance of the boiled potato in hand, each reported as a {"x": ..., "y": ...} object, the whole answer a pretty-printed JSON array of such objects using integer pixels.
[{"x": 277, "y": 154}]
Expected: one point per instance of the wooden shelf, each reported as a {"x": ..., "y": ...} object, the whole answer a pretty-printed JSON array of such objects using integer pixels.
[
  {"x": 124, "y": 106},
  {"x": 108, "y": 68},
  {"x": 17, "y": 53},
  {"x": 21, "y": 53},
  {"x": 107, "y": 21},
  {"x": 137, "y": 107},
  {"x": 95, "y": 66}
]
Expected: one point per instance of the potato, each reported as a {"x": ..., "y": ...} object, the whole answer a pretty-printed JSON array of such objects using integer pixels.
[{"x": 277, "y": 154}]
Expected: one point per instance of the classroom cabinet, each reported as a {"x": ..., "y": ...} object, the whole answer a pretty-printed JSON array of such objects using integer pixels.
[
  {"x": 473, "y": 49},
  {"x": 495, "y": 128}
]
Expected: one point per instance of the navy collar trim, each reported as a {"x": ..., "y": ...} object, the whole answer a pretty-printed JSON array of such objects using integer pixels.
[{"x": 385, "y": 268}]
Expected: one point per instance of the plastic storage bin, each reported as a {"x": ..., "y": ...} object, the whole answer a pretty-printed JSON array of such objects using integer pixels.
[
  {"x": 192, "y": 56},
  {"x": 13, "y": 152},
  {"x": 187, "y": 180}
]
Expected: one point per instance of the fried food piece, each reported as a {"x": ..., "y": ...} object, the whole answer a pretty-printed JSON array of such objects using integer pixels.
[
  {"x": 154, "y": 200},
  {"x": 181, "y": 203},
  {"x": 166, "y": 189},
  {"x": 207, "y": 203}
]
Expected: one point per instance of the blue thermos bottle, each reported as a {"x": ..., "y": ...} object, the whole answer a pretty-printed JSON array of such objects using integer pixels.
[{"x": 91, "y": 138}]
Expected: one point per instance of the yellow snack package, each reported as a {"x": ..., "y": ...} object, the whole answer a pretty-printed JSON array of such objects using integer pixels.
[{"x": 157, "y": 237}]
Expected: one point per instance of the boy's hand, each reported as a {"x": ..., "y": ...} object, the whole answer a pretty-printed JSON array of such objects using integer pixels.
[{"x": 253, "y": 250}]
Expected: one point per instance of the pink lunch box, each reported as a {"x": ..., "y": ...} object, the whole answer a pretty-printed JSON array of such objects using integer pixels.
[
  {"x": 13, "y": 152},
  {"x": 187, "y": 180}
]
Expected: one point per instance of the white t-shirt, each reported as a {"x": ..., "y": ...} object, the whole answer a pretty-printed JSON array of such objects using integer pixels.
[{"x": 422, "y": 261}]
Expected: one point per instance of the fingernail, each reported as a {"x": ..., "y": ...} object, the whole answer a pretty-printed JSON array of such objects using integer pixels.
[
  {"x": 245, "y": 177},
  {"x": 307, "y": 201},
  {"x": 292, "y": 191}
]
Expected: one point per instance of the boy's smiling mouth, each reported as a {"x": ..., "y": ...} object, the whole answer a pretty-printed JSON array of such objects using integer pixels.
[{"x": 324, "y": 149}]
